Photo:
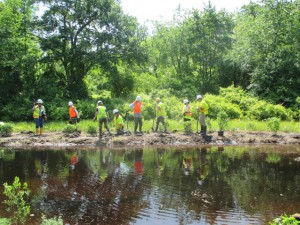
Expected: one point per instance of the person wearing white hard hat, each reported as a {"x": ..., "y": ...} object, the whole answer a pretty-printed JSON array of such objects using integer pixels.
[
  {"x": 203, "y": 111},
  {"x": 39, "y": 115},
  {"x": 160, "y": 114},
  {"x": 73, "y": 113},
  {"x": 186, "y": 111},
  {"x": 136, "y": 107},
  {"x": 102, "y": 116},
  {"x": 118, "y": 121}
]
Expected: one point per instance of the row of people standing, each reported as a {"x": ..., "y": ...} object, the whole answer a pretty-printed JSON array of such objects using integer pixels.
[{"x": 102, "y": 116}]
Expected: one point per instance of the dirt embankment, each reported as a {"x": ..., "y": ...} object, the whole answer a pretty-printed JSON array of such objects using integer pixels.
[{"x": 60, "y": 140}]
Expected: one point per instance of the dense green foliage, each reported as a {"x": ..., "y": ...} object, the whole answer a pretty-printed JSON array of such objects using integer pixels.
[
  {"x": 246, "y": 64},
  {"x": 5, "y": 129},
  {"x": 285, "y": 220},
  {"x": 16, "y": 203}
]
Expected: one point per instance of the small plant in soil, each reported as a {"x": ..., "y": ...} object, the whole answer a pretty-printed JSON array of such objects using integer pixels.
[
  {"x": 222, "y": 120},
  {"x": 91, "y": 130},
  {"x": 188, "y": 128},
  {"x": 273, "y": 124},
  {"x": 5, "y": 129},
  {"x": 69, "y": 129}
]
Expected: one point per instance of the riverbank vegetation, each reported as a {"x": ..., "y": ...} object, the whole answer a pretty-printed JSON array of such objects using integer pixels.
[{"x": 246, "y": 63}]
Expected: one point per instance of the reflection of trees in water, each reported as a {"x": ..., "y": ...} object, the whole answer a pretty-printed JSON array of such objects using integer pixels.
[
  {"x": 112, "y": 187},
  {"x": 263, "y": 182}
]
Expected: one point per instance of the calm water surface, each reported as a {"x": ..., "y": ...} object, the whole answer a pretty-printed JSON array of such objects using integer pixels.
[{"x": 231, "y": 185}]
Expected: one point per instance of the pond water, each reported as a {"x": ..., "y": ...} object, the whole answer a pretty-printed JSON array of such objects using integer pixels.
[{"x": 231, "y": 185}]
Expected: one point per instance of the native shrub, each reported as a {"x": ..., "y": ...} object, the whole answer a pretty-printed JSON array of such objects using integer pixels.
[
  {"x": 285, "y": 220},
  {"x": 222, "y": 120},
  {"x": 5, "y": 129},
  {"x": 273, "y": 124},
  {"x": 52, "y": 221},
  {"x": 16, "y": 204}
]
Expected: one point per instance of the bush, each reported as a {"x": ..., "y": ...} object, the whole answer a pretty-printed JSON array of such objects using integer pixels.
[
  {"x": 16, "y": 200},
  {"x": 222, "y": 120},
  {"x": 51, "y": 221},
  {"x": 5, "y": 221},
  {"x": 92, "y": 130},
  {"x": 218, "y": 103},
  {"x": 187, "y": 128},
  {"x": 5, "y": 129},
  {"x": 285, "y": 220},
  {"x": 273, "y": 124},
  {"x": 69, "y": 129}
]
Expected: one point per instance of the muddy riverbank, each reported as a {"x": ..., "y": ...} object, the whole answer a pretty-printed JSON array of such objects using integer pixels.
[{"x": 61, "y": 140}]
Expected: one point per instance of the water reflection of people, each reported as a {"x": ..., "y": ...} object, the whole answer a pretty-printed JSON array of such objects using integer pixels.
[
  {"x": 74, "y": 160},
  {"x": 203, "y": 168},
  {"x": 138, "y": 164},
  {"x": 41, "y": 164},
  {"x": 187, "y": 163}
]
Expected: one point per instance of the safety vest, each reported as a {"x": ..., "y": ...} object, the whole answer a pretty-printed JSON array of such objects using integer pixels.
[
  {"x": 187, "y": 112},
  {"x": 118, "y": 122},
  {"x": 38, "y": 112},
  {"x": 72, "y": 111},
  {"x": 203, "y": 106},
  {"x": 137, "y": 107},
  {"x": 160, "y": 109},
  {"x": 101, "y": 112}
]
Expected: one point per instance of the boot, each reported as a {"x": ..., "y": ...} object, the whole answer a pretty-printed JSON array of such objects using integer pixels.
[
  {"x": 41, "y": 130},
  {"x": 37, "y": 131},
  {"x": 156, "y": 128},
  {"x": 201, "y": 131},
  {"x": 135, "y": 127},
  {"x": 204, "y": 131}
]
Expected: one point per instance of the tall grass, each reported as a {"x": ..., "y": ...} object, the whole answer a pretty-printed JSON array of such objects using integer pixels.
[{"x": 172, "y": 125}]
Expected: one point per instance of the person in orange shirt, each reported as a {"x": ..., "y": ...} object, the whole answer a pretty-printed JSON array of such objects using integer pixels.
[
  {"x": 136, "y": 107},
  {"x": 73, "y": 113}
]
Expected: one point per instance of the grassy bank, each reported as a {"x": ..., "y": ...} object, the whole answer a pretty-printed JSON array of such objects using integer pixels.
[{"x": 234, "y": 125}]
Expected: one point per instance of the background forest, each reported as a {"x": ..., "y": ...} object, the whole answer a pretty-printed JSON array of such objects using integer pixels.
[{"x": 247, "y": 63}]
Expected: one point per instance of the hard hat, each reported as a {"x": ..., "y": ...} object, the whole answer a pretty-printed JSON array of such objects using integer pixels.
[
  {"x": 99, "y": 102},
  {"x": 157, "y": 99},
  {"x": 185, "y": 101},
  {"x": 115, "y": 111},
  {"x": 70, "y": 103},
  {"x": 138, "y": 98},
  {"x": 199, "y": 96},
  {"x": 39, "y": 101}
]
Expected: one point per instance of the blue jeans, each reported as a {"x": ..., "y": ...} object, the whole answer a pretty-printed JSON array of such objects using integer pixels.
[{"x": 39, "y": 122}]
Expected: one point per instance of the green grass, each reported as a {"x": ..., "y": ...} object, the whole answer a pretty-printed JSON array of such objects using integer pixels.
[{"x": 234, "y": 125}]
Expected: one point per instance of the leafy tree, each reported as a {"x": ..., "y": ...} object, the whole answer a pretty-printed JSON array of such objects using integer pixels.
[
  {"x": 82, "y": 35},
  {"x": 18, "y": 50},
  {"x": 267, "y": 48}
]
